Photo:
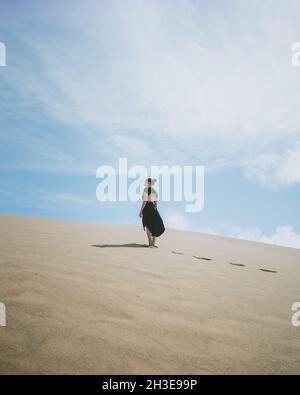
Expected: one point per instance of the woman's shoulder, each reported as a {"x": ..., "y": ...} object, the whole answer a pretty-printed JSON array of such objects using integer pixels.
[
  {"x": 152, "y": 190},
  {"x": 150, "y": 195}
]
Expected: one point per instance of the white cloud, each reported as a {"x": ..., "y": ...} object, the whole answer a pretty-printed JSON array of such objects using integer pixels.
[
  {"x": 40, "y": 153},
  {"x": 284, "y": 235},
  {"x": 198, "y": 82},
  {"x": 276, "y": 169},
  {"x": 176, "y": 220},
  {"x": 129, "y": 146}
]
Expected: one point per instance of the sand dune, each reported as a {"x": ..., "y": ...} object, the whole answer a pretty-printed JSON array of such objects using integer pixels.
[{"x": 84, "y": 298}]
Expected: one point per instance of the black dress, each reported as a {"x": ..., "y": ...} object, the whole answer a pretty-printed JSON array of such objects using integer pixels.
[{"x": 151, "y": 218}]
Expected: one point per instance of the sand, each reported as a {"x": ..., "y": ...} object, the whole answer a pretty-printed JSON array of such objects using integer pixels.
[{"x": 86, "y": 298}]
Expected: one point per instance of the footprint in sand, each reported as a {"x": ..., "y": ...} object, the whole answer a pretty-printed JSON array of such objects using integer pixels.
[
  {"x": 236, "y": 264},
  {"x": 268, "y": 271},
  {"x": 177, "y": 252},
  {"x": 203, "y": 258}
]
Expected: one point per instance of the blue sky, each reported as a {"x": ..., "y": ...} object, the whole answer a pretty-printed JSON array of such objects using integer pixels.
[{"x": 160, "y": 82}]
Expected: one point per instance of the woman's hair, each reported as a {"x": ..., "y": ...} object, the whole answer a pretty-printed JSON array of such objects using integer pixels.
[
  {"x": 148, "y": 183},
  {"x": 151, "y": 180}
]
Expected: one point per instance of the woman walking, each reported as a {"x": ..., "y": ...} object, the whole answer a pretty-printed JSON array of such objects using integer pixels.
[{"x": 152, "y": 222}]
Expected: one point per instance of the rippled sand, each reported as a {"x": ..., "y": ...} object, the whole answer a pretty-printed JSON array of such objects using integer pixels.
[{"x": 85, "y": 298}]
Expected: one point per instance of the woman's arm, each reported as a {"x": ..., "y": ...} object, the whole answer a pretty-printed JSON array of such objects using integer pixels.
[
  {"x": 142, "y": 208},
  {"x": 145, "y": 200}
]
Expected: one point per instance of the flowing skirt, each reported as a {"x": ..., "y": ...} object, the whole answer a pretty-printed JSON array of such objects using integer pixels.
[{"x": 152, "y": 220}]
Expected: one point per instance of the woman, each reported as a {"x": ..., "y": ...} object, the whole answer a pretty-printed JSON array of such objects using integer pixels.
[{"x": 152, "y": 221}]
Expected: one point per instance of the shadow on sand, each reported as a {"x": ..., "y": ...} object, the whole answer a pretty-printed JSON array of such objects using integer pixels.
[{"x": 130, "y": 245}]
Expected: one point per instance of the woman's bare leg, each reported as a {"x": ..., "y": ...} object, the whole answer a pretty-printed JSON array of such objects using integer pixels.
[
  {"x": 149, "y": 235},
  {"x": 153, "y": 240}
]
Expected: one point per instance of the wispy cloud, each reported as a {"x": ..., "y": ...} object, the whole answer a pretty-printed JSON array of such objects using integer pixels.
[
  {"x": 212, "y": 85},
  {"x": 283, "y": 235},
  {"x": 276, "y": 169},
  {"x": 43, "y": 199},
  {"x": 176, "y": 220}
]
